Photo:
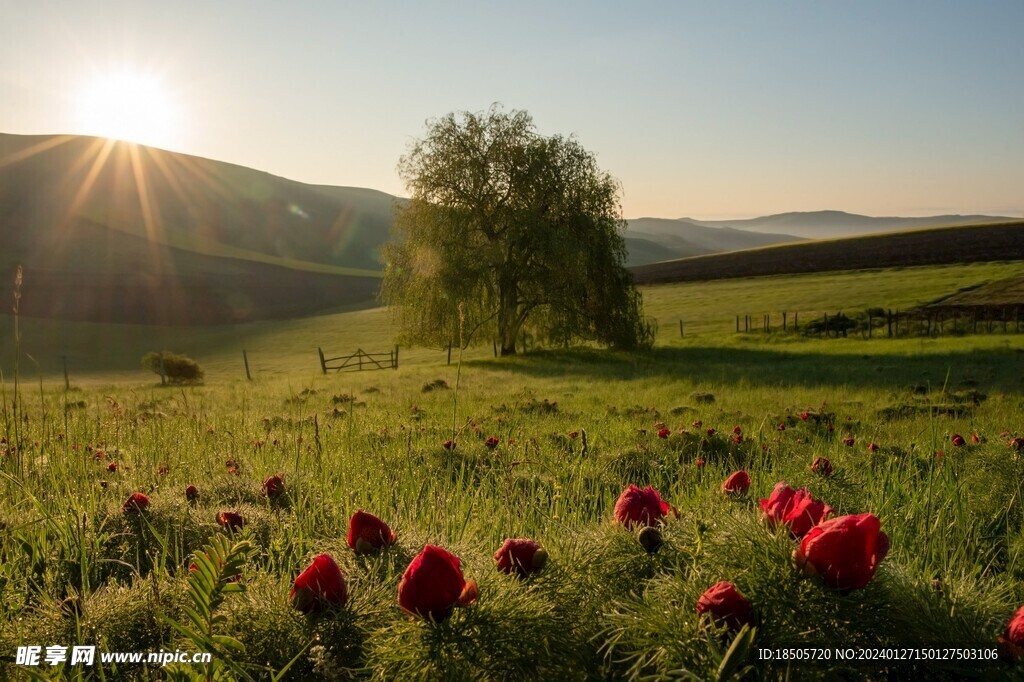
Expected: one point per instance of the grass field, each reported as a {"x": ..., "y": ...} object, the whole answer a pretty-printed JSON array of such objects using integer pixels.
[{"x": 574, "y": 428}]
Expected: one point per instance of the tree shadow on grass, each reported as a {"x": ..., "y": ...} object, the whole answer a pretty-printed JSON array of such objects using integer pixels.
[{"x": 988, "y": 369}]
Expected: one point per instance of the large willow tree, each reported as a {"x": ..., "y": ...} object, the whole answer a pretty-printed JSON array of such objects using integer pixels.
[{"x": 508, "y": 231}]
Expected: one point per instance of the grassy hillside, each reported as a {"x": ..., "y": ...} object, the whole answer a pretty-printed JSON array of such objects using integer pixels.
[
  {"x": 109, "y": 352},
  {"x": 945, "y": 245}
]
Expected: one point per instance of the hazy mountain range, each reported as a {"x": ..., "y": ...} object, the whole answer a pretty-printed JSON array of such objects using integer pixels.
[{"x": 118, "y": 232}]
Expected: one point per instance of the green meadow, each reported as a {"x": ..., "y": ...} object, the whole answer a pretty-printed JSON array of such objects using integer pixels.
[{"x": 574, "y": 427}]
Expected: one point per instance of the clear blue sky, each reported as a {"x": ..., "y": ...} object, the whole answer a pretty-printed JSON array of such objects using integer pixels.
[{"x": 703, "y": 109}]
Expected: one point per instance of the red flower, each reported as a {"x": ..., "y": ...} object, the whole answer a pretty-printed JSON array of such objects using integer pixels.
[
  {"x": 975, "y": 438},
  {"x": 319, "y": 587},
  {"x": 804, "y": 416},
  {"x": 697, "y": 424},
  {"x": 136, "y": 502},
  {"x": 367, "y": 533},
  {"x": 844, "y": 551},
  {"x": 782, "y": 427},
  {"x": 848, "y": 441},
  {"x": 823, "y": 466},
  {"x": 737, "y": 483},
  {"x": 794, "y": 508},
  {"x": 664, "y": 433},
  {"x": 737, "y": 439},
  {"x": 573, "y": 434},
  {"x": 699, "y": 462},
  {"x": 273, "y": 486},
  {"x": 448, "y": 444},
  {"x": 1017, "y": 443},
  {"x": 711, "y": 432},
  {"x": 492, "y": 442},
  {"x": 112, "y": 466},
  {"x": 433, "y": 585},
  {"x": 872, "y": 447},
  {"x": 637, "y": 507},
  {"x": 521, "y": 556},
  {"x": 723, "y": 602},
  {"x": 230, "y": 520},
  {"x": 737, "y": 430},
  {"x": 957, "y": 440},
  {"x": 1011, "y": 642},
  {"x": 233, "y": 471},
  {"x": 191, "y": 493}
]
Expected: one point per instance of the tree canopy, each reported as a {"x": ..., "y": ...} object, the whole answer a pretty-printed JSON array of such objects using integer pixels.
[{"x": 509, "y": 231}]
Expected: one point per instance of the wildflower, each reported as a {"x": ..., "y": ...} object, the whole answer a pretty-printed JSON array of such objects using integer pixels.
[
  {"x": 319, "y": 587},
  {"x": 664, "y": 433},
  {"x": 230, "y": 520},
  {"x": 492, "y": 442},
  {"x": 957, "y": 440},
  {"x": 136, "y": 502},
  {"x": 844, "y": 551},
  {"x": 640, "y": 507},
  {"x": 722, "y": 602},
  {"x": 191, "y": 493},
  {"x": 367, "y": 533},
  {"x": 433, "y": 585},
  {"x": 872, "y": 447},
  {"x": 112, "y": 467},
  {"x": 737, "y": 483},
  {"x": 793, "y": 508},
  {"x": 273, "y": 486},
  {"x": 521, "y": 556},
  {"x": 448, "y": 444},
  {"x": 848, "y": 441},
  {"x": 1011, "y": 642},
  {"x": 823, "y": 466}
]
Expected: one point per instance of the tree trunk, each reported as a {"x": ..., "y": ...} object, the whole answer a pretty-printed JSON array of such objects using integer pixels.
[{"x": 508, "y": 318}]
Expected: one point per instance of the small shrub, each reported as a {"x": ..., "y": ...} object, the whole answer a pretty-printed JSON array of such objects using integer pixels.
[{"x": 179, "y": 369}]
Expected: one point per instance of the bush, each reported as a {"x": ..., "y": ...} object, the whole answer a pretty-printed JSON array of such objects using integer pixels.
[{"x": 179, "y": 369}]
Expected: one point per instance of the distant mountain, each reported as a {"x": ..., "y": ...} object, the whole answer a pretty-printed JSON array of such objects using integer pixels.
[
  {"x": 108, "y": 231},
  {"x": 685, "y": 238},
  {"x": 832, "y": 224}
]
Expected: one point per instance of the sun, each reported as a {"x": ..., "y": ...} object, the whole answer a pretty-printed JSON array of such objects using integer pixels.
[{"x": 127, "y": 105}]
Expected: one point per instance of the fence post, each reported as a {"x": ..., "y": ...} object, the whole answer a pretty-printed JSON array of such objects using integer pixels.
[
  {"x": 494, "y": 346},
  {"x": 162, "y": 373},
  {"x": 449, "y": 352},
  {"x": 323, "y": 363},
  {"x": 888, "y": 321},
  {"x": 67, "y": 382},
  {"x": 396, "y": 357},
  {"x": 680, "y": 329},
  {"x": 783, "y": 320},
  {"x": 245, "y": 359}
]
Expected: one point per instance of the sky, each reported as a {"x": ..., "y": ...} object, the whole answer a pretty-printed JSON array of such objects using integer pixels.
[{"x": 710, "y": 110}]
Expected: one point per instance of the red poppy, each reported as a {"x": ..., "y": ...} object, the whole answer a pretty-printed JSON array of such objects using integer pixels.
[
  {"x": 319, "y": 587},
  {"x": 699, "y": 462},
  {"x": 737, "y": 439},
  {"x": 848, "y": 441},
  {"x": 697, "y": 424},
  {"x": 724, "y": 603},
  {"x": 433, "y": 585},
  {"x": 975, "y": 438},
  {"x": 872, "y": 447},
  {"x": 573, "y": 434},
  {"x": 664, "y": 433},
  {"x": 844, "y": 551},
  {"x": 273, "y": 486},
  {"x": 191, "y": 493},
  {"x": 737, "y": 483},
  {"x": 782, "y": 427},
  {"x": 448, "y": 444},
  {"x": 1017, "y": 443},
  {"x": 805, "y": 416},
  {"x": 1011, "y": 642},
  {"x": 367, "y": 533},
  {"x": 112, "y": 467},
  {"x": 711, "y": 432},
  {"x": 957, "y": 440},
  {"x": 230, "y": 520},
  {"x": 637, "y": 507},
  {"x": 794, "y": 508},
  {"x": 521, "y": 556},
  {"x": 823, "y": 466},
  {"x": 136, "y": 502},
  {"x": 492, "y": 442}
]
